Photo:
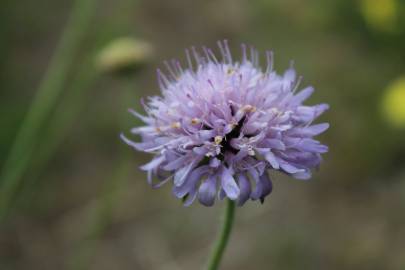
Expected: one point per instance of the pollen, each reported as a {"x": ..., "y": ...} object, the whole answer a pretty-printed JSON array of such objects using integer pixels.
[
  {"x": 218, "y": 139},
  {"x": 195, "y": 121},
  {"x": 248, "y": 108},
  {"x": 176, "y": 125}
]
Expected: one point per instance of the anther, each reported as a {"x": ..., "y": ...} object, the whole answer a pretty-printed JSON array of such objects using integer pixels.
[
  {"x": 176, "y": 125},
  {"x": 218, "y": 139},
  {"x": 195, "y": 121},
  {"x": 248, "y": 108}
]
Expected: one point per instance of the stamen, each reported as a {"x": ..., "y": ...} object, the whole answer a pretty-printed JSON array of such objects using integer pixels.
[
  {"x": 211, "y": 53},
  {"x": 252, "y": 55},
  {"x": 297, "y": 84},
  {"x": 176, "y": 125},
  {"x": 227, "y": 51},
  {"x": 230, "y": 71},
  {"x": 270, "y": 61},
  {"x": 249, "y": 108},
  {"x": 195, "y": 121},
  {"x": 170, "y": 70},
  {"x": 189, "y": 62},
  {"x": 244, "y": 57},
  {"x": 197, "y": 57},
  {"x": 162, "y": 79}
]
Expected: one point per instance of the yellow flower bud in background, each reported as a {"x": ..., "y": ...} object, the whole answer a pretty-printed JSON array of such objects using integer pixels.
[
  {"x": 380, "y": 15},
  {"x": 123, "y": 55},
  {"x": 394, "y": 103}
]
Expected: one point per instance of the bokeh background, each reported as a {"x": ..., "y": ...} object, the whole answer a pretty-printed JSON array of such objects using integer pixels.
[{"x": 80, "y": 201}]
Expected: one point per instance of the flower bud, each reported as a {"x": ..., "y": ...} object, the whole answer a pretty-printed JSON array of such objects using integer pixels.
[
  {"x": 123, "y": 55},
  {"x": 379, "y": 15},
  {"x": 394, "y": 103}
]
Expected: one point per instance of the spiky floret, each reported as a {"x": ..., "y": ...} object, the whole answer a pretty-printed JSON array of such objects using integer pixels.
[{"x": 220, "y": 125}]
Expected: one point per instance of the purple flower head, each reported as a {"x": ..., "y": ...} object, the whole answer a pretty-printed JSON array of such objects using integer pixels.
[{"x": 221, "y": 124}]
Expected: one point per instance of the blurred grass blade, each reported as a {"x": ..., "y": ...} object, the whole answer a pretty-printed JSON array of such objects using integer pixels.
[
  {"x": 121, "y": 58},
  {"x": 52, "y": 84},
  {"x": 61, "y": 122}
]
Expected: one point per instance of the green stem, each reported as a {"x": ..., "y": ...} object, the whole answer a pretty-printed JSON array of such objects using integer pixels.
[
  {"x": 23, "y": 147},
  {"x": 223, "y": 238}
]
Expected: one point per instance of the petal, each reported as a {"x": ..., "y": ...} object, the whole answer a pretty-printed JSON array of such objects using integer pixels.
[
  {"x": 191, "y": 197},
  {"x": 258, "y": 189},
  {"x": 288, "y": 168},
  {"x": 149, "y": 177},
  {"x": 311, "y": 146},
  {"x": 302, "y": 175},
  {"x": 181, "y": 175},
  {"x": 206, "y": 134},
  {"x": 262, "y": 151},
  {"x": 289, "y": 77},
  {"x": 275, "y": 144},
  {"x": 228, "y": 128},
  {"x": 240, "y": 155},
  {"x": 144, "y": 129},
  {"x": 161, "y": 183},
  {"x": 258, "y": 137},
  {"x": 191, "y": 182},
  {"x": 208, "y": 190},
  {"x": 201, "y": 150},
  {"x": 137, "y": 146},
  {"x": 271, "y": 158},
  {"x": 153, "y": 164},
  {"x": 321, "y": 108},
  {"x": 214, "y": 162},
  {"x": 260, "y": 167},
  {"x": 308, "y": 114},
  {"x": 267, "y": 186},
  {"x": 229, "y": 185},
  {"x": 145, "y": 119},
  {"x": 309, "y": 131},
  {"x": 221, "y": 194},
  {"x": 245, "y": 189},
  {"x": 175, "y": 164},
  {"x": 316, "y": 129},
  {"x": 302, "y": 95}
]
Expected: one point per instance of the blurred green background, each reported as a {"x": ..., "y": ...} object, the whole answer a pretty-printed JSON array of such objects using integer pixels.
[{"x": 82, "y": 203}]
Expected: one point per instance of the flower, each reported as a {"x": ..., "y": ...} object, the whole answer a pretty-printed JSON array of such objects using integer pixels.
[{"x": 220, "y": 125}]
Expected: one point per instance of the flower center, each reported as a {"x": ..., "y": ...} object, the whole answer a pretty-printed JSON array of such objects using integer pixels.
[{"x": 226, "y": 142}]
